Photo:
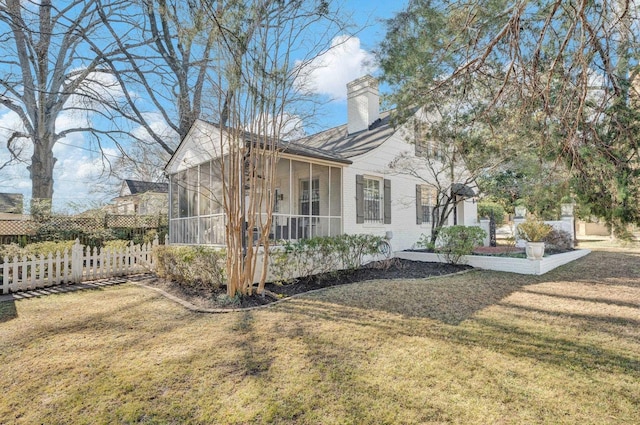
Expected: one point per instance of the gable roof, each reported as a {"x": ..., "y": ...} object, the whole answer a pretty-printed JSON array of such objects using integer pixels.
[
  {"x": 207, "y": 148},
  {"x": 338, "y": 141},
  {"x": 136, "y": 186},
  {"x": 11, "y": 203},
  {"x": 335, "y": 144},
  {"x": 296, "y": 148}
]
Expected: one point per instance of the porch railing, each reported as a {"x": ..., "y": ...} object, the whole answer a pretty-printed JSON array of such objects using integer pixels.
[{"x": 210, "y": 230}]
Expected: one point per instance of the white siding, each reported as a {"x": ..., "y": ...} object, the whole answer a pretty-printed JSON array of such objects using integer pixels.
[
  {"x": 403, "y": 196},
  {"x": 200, "y": 145}
]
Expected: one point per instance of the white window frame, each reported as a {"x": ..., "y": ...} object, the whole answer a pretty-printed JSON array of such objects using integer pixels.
[{"x": 367, "y": 216}]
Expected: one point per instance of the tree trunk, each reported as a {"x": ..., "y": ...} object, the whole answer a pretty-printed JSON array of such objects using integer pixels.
[{"x": 41, "y": 169}]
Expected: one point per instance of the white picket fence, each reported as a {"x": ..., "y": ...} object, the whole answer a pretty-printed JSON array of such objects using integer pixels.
[{"x": 80, "y": 265}]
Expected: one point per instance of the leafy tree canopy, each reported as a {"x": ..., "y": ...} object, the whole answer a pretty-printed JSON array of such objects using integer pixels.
[{"x": 551, "y": 78}]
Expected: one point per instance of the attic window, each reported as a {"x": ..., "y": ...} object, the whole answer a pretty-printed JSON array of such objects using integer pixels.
[{"x": 425, "y": 148}]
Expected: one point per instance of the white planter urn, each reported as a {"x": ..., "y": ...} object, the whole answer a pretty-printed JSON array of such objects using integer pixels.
[
  {"x": 534, "y": 250},
  {"x": 566, "y": 210},
  {"x": 521, "y": 211}
]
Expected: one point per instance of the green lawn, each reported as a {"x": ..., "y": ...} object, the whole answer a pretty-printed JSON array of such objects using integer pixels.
[{"x": 477, "y": 348}]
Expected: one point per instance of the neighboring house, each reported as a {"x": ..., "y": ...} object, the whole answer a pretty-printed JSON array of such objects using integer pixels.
[
  {"x": 334, "y": 182},
  {"x": 11, "y": 203},
  {"x": 142, "y": 198},
  {"x": 12, "y": 222}
]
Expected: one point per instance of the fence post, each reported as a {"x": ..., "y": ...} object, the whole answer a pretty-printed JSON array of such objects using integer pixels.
[
  {"x": 4, "y": 280},
  {"x": 76, "y": 262},
  {"x": 151, "y": 254},
  {"x": 132, "y": 260}
]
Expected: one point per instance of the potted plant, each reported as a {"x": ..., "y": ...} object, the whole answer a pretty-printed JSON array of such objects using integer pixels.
[{"x": 534, "y": 231}]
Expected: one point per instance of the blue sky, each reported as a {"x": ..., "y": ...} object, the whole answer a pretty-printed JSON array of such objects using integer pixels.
[
  {"x": 369, "y": 32},
  {"x": 78, "y": 170}
]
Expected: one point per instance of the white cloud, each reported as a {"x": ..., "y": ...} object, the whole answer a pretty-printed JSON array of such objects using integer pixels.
[
  {"x": 79, "y": 167},
  {"x": 329, "y": 73},
  {"x": 96, "y": 85},
  {"x": 75, "y": 173},
  {"x": 159, "y": 126},
  {"x": 288, "y": 126}
]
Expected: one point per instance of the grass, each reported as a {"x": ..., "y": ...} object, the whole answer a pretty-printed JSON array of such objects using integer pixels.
[{"x": 482, "y": 347}]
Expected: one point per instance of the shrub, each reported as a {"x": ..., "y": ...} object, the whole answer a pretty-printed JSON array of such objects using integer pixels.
[
  {"x": 10, "y": 251},
  {"x": 319, "y": 255},
  {"x": 117, "y": 244},
  {"x": 354, "y": 248},
  {"x": 34, "y": 249},
  {"x": 200, "y": 267},
  {"x": 425, "y": 242},
  {"x": 62, "y": 230},
  {"x": 558, "y": 239},
  {"x": 304, "y": 257},
  {"x": 533, "y": 230},
  {"x": 486, "y": 208},
  {"x": 456, "y": 241},
  {"x": 45, "y": 248}
]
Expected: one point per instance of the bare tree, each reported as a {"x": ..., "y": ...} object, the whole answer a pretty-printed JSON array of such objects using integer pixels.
[
  {"x": 257, "y": 89},
  {"x": 50, "y": 71},
  {"x": 166, "y": 52}
]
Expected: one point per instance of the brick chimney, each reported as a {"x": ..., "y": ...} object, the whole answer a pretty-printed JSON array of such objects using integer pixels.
[{"x": 363, "y": 103}]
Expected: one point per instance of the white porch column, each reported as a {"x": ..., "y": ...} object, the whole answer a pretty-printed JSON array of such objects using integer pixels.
[
  {"x": 485, "y": 225},
  {"x": 517, "y": 221},
  {"x": 568, "y": 222}
]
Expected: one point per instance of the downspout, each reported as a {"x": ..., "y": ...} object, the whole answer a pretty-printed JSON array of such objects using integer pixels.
[{"x": 455, "y": 207}]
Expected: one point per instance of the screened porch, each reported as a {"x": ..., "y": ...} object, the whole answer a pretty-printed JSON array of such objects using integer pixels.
[{"x": 307, "y": 202}]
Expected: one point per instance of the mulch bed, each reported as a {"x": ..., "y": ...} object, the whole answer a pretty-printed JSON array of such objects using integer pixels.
[{"x": 390, "y": 269}]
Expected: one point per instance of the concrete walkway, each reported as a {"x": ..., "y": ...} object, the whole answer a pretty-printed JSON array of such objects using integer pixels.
[{"x": 72, "y": 287}]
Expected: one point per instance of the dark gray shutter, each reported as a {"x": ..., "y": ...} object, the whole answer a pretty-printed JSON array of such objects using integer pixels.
[
  {"x": 387, "y": 201},
  {"x": 359, "y": 198},
  {"x": 418, "y": 204}
]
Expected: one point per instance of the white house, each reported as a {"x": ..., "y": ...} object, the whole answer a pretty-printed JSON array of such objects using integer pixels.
[
  {"x": 142, "y": 198},
  {"x": 333, "y": 182}
]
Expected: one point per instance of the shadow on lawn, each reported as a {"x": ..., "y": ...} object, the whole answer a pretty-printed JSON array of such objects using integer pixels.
[
  {"x": 599, "y": 300},
  {"x": 454, "y": 299},
  {"x": 495, "y": 333},
  {"x": 255, "y": 359},
  {"x": 514, "y": 329},
  {"x": 551, "y": 348},
  {"x": 602, "y": 267},
  {"x": 117, "y": 318},
  {"x": 450, "y": 300},
  {"x": 8, "y": 311}
]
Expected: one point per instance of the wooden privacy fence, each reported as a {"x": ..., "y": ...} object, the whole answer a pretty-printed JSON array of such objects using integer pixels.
[{"x": 80, "y": 265}]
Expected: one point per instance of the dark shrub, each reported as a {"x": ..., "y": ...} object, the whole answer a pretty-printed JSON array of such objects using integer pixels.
[
  {"x": 559, "y": 240},
  {"x": 456, "y": 241},
  {"x": 485, "y": 209},
  {"x": 195, "y": 266}
]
